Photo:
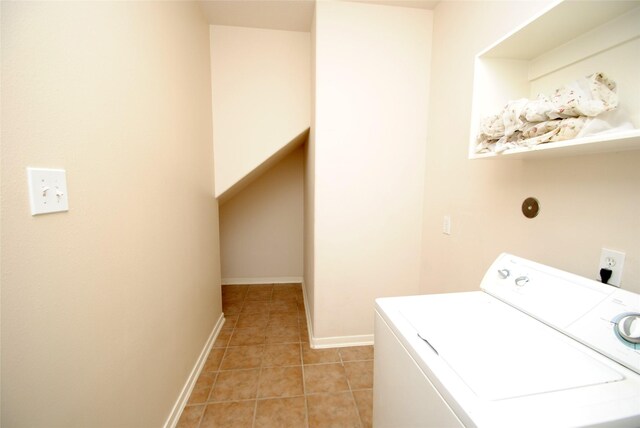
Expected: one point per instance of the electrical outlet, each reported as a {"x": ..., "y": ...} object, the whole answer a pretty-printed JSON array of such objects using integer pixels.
[{"x": 613, "y": 260}]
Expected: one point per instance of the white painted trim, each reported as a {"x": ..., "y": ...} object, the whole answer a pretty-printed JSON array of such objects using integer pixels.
[
  {"x": 331, "y": 342},
  {"x": 266, "y": 280},
  {"x": 341, "y": 341},
  {"x": 176, "y": 411}
]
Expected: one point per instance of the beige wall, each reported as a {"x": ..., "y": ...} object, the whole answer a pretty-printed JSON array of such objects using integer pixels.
[
  {"x": 260, "y": 82},
  {"x": 587, "y": 202},
  {"x": 371, "y": 96},
  {"x": 106, "y": 308},
  {"x": 261, "y": 228}
]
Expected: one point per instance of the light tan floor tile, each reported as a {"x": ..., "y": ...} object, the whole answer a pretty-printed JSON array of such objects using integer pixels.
[
  {"x": 259, "y": 292},
  {"x": 232, "y": 308},
  {"x": 281, "y": 413},
  {"x": 356, "y": 353},
  {"x": 229, "y": 291},
  {"x": 286, "y": 354},
  {"x": 291, "y": 315},
  {"x": 267, "y": 341},
  {"x": 281, "y": 329},
  {"x": 231, "y": 302},
  {"x": 287, "y": 288},
  {"x": 230, "y": 321},
  {"x": 242, "y": 357},
  {"x": 360, "y": 374},
  {"x": 304, "y": 336},
  {"x": 280, "y": 293},
  {"x": 287, "y": 338},
  {"x": 256, "y": 307},
  {"x": 235, "y": 385},
  {"x": 284, "y": 306},
  {"x": 240, "y": 292},
  {"x": 247, "y": 336},
  {"x": 259, "y": 320},
  {"x": 202, "y": 388},
  {"x": 235, "y": 414},
  {"x": 332, "y": 410},
  {"x": 223, "y": 338},
  {"x": 190, "y": 417},
  {"x": 233, "y": 296},
  {"x": 213, "y": 360},
  {"x": 282, "y": 334},
  {"x": 235, "y": 289},
  {"x": 325, "y": 378},
  {"x": 280, "y": 382},
  {"x": 364, "y": 403},
  {"x": 318, "y": 356},
  {"x": 279, "y": 319}
]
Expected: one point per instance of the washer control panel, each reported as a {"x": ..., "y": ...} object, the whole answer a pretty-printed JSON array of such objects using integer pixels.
[
  {"x": 602, "y": 317},
  {"x": 613, "y": 328},
  {"x": 550, "y": 295}
]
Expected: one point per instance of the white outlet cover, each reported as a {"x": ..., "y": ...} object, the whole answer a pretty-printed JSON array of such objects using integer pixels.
[
  {"x": 616, "y": 269},
  {"x": 47, "y": 190}
]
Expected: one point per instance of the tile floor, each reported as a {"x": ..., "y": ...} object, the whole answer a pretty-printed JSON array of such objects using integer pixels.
[{"x": 261, "y": 371}]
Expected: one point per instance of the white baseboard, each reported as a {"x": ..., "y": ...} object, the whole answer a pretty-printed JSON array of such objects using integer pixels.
[
  {"x": 176, "y": 411},
  {"x": 341, "y": 341},
  {"x": 331, "y": 342},
  {"x": 265, "y": 280}
]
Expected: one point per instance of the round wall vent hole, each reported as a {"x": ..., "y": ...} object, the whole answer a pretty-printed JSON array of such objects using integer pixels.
[{"x": 530, "y": 207}]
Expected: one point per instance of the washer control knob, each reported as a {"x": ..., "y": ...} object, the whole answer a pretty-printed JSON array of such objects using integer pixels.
[
  {"x": 522, "y": 280},
  {"x": 629, "y": 328},
  {"x": 504, "y": 273}
]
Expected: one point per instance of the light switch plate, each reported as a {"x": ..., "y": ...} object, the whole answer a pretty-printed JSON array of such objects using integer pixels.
[
  {"x": 446, "y": 225},
  {"x": 47, "y": 190}
]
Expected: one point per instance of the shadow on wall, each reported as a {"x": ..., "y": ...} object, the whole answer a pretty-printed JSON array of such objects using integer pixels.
[{"x": 299, "y": 141}]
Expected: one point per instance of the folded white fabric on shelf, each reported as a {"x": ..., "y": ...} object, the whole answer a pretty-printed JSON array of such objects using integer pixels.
[{"x": 579, "y": 109}]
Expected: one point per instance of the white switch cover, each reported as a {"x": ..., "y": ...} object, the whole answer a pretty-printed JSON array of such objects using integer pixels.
[
  {"x": 446, "y": 225},
  {"x": 47, "y": 190}
]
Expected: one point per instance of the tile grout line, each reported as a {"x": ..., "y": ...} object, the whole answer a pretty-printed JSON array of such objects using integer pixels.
[
  {"x": 304, "y": 383},
  {"x": 255, "y": 405},
  {"x": 353, "y": 397},
  {"x": 213, "y": 385},
  {"x": 204, "y": 410}
]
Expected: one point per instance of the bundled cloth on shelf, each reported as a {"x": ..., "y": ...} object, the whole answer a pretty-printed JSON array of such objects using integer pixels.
[{"x": 569, "y": 113}]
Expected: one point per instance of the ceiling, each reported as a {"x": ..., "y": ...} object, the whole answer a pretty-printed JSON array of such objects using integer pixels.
[{"x": 290, "y": 15}]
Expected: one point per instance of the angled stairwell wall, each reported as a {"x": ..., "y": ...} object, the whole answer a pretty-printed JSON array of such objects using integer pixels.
[
  {"x": 260, "y": 101},
  {"x": 261, "y": 227}
]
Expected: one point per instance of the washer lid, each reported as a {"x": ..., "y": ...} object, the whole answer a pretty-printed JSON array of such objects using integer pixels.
[{"x": 501, "y": 353}]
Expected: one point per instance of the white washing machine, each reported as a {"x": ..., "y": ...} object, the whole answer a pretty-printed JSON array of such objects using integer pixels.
[{"x": 536, "y": 347}]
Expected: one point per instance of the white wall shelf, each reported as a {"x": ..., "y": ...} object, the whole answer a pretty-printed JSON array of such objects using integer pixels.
[{"x": 567, "y": 41}]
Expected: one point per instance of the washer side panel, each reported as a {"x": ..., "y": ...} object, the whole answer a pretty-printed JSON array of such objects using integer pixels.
[{"x": 403, "y": 396}]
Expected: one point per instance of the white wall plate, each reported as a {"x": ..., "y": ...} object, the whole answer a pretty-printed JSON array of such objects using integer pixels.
[{"x": 47, "y": 190}]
